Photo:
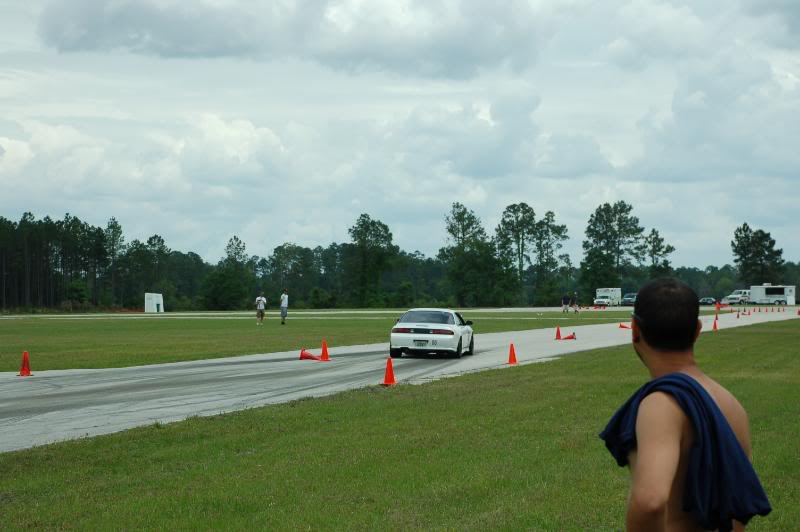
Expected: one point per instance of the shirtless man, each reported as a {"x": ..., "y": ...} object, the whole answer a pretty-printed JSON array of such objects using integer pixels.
[{"x": 663, "y": 331}]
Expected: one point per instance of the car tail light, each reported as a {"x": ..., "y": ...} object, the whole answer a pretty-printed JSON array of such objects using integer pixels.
[
  {"x": 448, "y": 332},
  {"x": 401, "y": 330}
]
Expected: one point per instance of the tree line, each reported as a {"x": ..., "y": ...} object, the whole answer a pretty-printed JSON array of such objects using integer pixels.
[{"x": 69, "y": 264}]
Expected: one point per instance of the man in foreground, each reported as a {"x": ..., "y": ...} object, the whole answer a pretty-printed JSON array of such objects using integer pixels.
[{"x": 685, "y": 437}]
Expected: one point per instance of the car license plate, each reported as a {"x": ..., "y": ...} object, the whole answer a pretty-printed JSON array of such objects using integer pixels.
[{"x": 420, "y": 343}]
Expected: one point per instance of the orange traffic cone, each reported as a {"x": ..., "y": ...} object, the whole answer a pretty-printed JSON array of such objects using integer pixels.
[
  {"x": 624, "y": 326},
  {"x": 512, "y": 355},
  {"x": 25, "y": 369},
  {"x": 570, "y": 337},
  {"x": 388, "y": 377},
  {"x": 305, "y": 355},
  {"x": 558, "y": 332},
  {"x": 325, "y": 356}
]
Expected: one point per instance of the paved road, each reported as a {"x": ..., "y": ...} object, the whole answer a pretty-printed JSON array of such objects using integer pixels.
[{"x": 64, "y": 404}]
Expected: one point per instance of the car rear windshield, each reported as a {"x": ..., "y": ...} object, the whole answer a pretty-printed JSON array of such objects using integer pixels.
[{"x": 428, "y": 316}]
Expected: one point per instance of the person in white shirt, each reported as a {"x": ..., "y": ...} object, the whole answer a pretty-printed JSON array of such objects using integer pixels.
[
  {"x": 284, "y": 305},
  {"x": 261, "y": 304}
]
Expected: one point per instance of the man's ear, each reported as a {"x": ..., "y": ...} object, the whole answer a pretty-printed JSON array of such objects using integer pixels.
[
  {"x": 698, "y": 329},
  {"x": 636, "y": 334}
]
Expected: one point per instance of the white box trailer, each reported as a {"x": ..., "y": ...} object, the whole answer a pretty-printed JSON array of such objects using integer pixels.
[
  {"x": 153, "y": 302},
  {"x": 613, "y": 294},
  {"x": 768, "y": 294}
]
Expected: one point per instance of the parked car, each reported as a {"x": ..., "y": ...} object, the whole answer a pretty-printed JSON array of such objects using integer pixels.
[
  {"x": 707, "y": 301},
  {"x": 431, "y": 331},
  {"x": 628, "y": 300}
]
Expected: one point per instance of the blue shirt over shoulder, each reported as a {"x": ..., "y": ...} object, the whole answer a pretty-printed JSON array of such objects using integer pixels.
[{"x": 721, "y": 483}]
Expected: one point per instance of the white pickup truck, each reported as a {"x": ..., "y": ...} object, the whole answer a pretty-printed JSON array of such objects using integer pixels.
[{"x": 737, "y": 297}]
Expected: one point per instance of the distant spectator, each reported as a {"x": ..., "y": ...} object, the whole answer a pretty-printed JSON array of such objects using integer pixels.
[
  {"x": 284, "y": 306},
  {"x": 565, "y": 303},
  {"x": 261, "y": 304}
]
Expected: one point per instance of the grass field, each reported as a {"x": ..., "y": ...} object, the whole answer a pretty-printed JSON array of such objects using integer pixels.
[
  {"x": 97, "y": 342},
  {"x": 505, "y": 449}
]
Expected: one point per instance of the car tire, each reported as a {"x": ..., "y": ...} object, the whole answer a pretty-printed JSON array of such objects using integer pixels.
[
  {"x": 395, "y": 353},
  {"x": 471, "y": 350},
  {"x": 458, "y": 352}
]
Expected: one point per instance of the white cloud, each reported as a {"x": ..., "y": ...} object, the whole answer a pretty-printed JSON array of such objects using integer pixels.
[
  {"x": 14, "y": 155},
  {"x": 283, "y": 121},
  {"x": 730, "y": 117},
  {"x": 453, "y": 38},
  {"x": 781, "y": 20},
  {"x": 655, "y": 30}
]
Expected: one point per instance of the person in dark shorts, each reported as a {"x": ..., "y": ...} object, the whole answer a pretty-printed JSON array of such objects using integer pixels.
[
  {"x": 565, "y": 304},
  {"x": 261, "y": 305},
  {"x": 685, "y": 437}
]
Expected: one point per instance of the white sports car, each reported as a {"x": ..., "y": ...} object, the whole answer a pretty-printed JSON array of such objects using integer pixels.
[{"x": 431, "y": 331}]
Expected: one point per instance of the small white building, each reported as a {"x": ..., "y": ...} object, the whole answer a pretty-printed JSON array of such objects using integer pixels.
[{"x": 153, "y": 302}]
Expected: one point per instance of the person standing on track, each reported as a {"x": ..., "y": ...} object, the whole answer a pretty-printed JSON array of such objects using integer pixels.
[
  {"x": 573, "y": 302},
  {"x": 261, "y": 305},
  {"x": 565, "y": 304},
  {"x": 684, "y": 436},
  {"x": 284, "y": 305}
]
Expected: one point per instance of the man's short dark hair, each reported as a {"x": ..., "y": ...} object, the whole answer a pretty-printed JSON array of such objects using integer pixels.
[{"x": 666, "y": 313}]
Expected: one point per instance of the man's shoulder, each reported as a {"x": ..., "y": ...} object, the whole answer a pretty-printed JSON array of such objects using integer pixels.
[
  {"x": 660, "y": 421},
  {"x": 660, "y": 405}
]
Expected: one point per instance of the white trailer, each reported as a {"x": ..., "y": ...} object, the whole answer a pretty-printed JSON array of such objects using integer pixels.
[
  {"x": 153, "y": 302},
  {"x": 614, "y": 295},
  {"x": 768, "y": 294}
]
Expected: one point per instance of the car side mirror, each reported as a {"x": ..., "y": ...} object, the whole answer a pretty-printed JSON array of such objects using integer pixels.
[{"x": 468, "y": 322}]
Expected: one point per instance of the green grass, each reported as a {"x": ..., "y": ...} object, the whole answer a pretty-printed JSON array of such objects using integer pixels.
[
  {"x": 506, "y": 449},
  {"x": 128, "y": 341}
]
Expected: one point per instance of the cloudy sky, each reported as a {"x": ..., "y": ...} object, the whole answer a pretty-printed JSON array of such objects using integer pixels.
[{"x": 282, "y": 121}]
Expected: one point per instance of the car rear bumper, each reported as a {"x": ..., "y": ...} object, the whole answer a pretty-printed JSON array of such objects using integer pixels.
[{"x": 410, "y": 343}]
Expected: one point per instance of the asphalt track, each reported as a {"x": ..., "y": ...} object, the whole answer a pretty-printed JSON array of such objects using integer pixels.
[{"x": 58, "y": 405}]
